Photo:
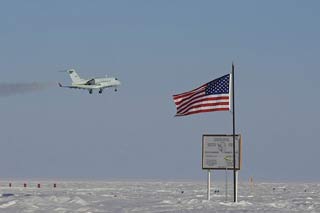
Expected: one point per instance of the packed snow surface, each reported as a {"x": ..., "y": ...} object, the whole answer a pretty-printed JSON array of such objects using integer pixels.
[{"x": 156, "y": 196}]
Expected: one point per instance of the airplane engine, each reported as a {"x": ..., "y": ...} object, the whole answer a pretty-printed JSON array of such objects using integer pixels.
[{"x": 91, "y": 82}]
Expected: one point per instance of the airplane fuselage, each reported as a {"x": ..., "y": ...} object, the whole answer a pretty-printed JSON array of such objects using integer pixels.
[
  {"x": 91, "y": 84},
  {"x": 97, "y": 83}
]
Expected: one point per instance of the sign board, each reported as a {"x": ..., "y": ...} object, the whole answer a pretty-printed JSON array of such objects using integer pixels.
[{"x": 217, "y": 152}]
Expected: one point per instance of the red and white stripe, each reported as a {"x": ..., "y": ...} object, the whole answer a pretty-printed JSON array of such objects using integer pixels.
[{"x": 195, "y": 101}]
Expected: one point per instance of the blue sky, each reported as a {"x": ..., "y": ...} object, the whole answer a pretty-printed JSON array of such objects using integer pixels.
[{"x": 157, "y": 49}]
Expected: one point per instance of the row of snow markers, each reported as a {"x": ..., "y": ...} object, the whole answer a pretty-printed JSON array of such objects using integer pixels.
[{"x": 38, "y": 185}]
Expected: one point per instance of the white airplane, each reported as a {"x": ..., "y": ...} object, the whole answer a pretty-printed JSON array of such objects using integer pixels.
[{"x": 91, "y": 84}]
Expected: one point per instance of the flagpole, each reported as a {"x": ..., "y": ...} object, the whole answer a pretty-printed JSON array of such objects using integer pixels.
[{"x": 234, "y": 141}]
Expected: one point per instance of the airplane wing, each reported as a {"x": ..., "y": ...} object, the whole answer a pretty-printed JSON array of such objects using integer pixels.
[
  {"x": 91, "y": 82},
  {"x": 86, "y": 87},
  {"x": 72, "y": 87}
]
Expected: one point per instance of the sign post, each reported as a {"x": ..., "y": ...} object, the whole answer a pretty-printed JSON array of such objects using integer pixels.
[
  {"x": 236, "y": 191},
  {"x": 227, "y": 160},
  {"x": 226, "y": 184},
  {"x": 208, "y": 185},
  {"x": 217, "y": 154}
]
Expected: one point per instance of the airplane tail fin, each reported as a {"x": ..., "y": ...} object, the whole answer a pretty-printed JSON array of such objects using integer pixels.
[{"x": 74, "y": 76}]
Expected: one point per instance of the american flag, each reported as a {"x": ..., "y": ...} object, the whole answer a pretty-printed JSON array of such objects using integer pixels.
[{"x": 212, "y": 96}]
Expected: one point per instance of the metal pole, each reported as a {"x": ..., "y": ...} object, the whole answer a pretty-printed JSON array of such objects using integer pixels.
[
  {"x": 208, "y": 190},
  {"x": 234, "y": 141},
  {"x": 237, "y": 173},
  {"x": 226, "y": 184}
]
